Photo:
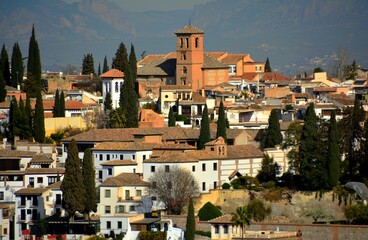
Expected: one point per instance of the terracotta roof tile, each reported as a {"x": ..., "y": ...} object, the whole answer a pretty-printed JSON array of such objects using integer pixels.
[
  {"x": 124, "y": 179},
  {"x": 45, "y": 170},
  {"x": 217, "y": 55},
  {"x": 189, "y": 29},
  {"x": 41, "y": 158},
  {"x": 31, "y": 191},
  {"x": 233, "y": 58},
  {"x": 56, "y": 185},
  {"x": 14, "y": 153},
  {"x": 243, "y": 151},
  {"x": 159, "y": 66},
  {"x": 149, "y": 58},
  {"x": 113, "y": 73},
  {"x": 274, "y": 76},
  {"x": 123, "y": 146},
  {"x": 324, "y": 89},
  {"x": 210, "y": 63},
  {"x": 119, "y": 163},
  {"x": 222, "y": 219},
  {"x": 249, "y": 76},
  {"x": 176, "y": 87}
]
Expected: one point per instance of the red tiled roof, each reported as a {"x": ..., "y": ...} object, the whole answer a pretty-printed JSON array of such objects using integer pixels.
[
  {"x": 324, "y": 89},
  {"x": 249, "y": 76},
  {"x": 274, "y": 76},
  {"x": 74, "y": 105},
  {"x": 113, "y": 73}
]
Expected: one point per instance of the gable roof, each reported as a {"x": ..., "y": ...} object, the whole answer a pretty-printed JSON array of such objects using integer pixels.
[
  {"x": 112, "y": 73},
  {"x": 126, "y": 146},
  {"x": 31, "y": 191},
  {"x": 124, "y": 179},
  {"x": 211, "y": 63},
  {"x": 160, "y": 66},
  {"x": 45, "y": 171},
  {"x": 119, "y": 163}
]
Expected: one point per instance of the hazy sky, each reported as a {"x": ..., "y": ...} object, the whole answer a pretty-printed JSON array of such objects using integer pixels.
[{"x": 145, "y": 5}]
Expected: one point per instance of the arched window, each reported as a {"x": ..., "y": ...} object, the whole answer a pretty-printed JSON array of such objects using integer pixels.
[
  {"x": 116, "y": 87},
  {"x": 183, "y": 56},
  {"x": 121, "y": 86},
  {"x": 187, "y": 42},
  {"x": 181, "y": 42},
  {"x": 185, "y": 70},
  {"x": 197, "y": 42}
]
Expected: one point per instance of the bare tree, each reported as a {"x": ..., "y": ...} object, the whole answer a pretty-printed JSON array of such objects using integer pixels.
[
  {"x": 174, "y": 187},
  {"x": 340, "y": 61},
  {"x": 69, "y": 69}
]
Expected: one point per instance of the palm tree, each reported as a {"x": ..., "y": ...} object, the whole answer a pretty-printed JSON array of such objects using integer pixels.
[{"x": 242, "y": 218}]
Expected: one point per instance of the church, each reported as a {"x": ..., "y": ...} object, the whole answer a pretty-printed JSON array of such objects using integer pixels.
[{"x": 190, "y": 68}]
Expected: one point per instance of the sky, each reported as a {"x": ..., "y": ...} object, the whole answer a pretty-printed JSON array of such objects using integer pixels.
[{"x": 147, "y": 5}]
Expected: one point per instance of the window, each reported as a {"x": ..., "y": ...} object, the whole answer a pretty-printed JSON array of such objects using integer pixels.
[
  {"x": 109, "y": 171},
  {"x": 193, "y": 168},
  {"x": 132, "y": 209},
  {"x": 167, "y": 168},
  {"x": 40, "y": 180},
  {"x": 187, "y": 42},
  {"x": 108, "y": 210},
  {"x": 204, "y": 186},
  {"x": 5, "y": 231},
  {"x": 100, "y": 157},
  {"x": 133, "y": 157},
  {"x": 121, "y": 209},
  {"x": 116, "y": 87},
  {"x": 226, "y": 229},
  {"x": 214, "y": 185},
  {"x": 100, "y": 174},
  {"x": 217, "y": 229},
  {"x": 153, "y": 169},
  {"x": 214, "y": 166},
  {"x": 203, "y": 167},
  {"x": 185, "y": 70},
  {"x": 120, "y": 224},
  {"x": 108, "y": 157},
  {"x": 52, "y": 180},
  {"x": 197, "y": 42},
  {"x": 31, "y": 181},
  {"x": 107, "y": 193},
  {"x": 108, "y": 224},
  {"x": 183, "y": 56},
  {"x": 181, "y": 46},
  {"x": 121, "y": 157},
  {"x": 1, "y": 195},
  {"x": 138, "y": 193},
  {"x": 144, "y": 157}
]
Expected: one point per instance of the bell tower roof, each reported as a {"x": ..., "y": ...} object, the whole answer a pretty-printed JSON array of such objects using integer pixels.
[{"x": 189, "y": 29}]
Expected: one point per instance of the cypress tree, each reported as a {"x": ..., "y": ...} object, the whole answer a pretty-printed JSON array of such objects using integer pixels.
[
  {"x": 205, "y": 132},
  {"x": 28, "y": 112},
  {"x": 88, "y": 66},
  {"x": 312, "y": 165},
  {"x": 221, "y": 123},
  {"x": 88, "y": 172},
  {"x": 17, "y": 67},
  {"x": 120, "y": 61},
  {"x": 108, "y": 102},
  {"x": 2, "y": 88},
  {"x": 4, "y": 64},
  {"x": 268, "y": 66},
  {"x": 72, "y": 185},
  {"x": 62, "y": 104},
  {"x": 172, "y": 121},
  {"x": 39, "y": 121},
  {"x": 273, "y": 132},
  {"x": 14, "y": 117},
  {"x": 333, "y": 157},
  {"x": 57, "y": 104},
  {"x": 33, "y": 84},
  {"x": 133, "y": 63},
  {"x": 190, "y": 224},
  {"x": 25, "y": 131},
  {"x": 105, "y": 66}
]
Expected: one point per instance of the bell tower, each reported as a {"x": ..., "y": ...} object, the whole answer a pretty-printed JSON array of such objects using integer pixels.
[{"x": 189, "y": 57}]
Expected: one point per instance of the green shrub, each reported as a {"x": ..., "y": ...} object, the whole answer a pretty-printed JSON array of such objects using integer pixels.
[
  {"x": 208, "y": 212},
  {"x": 245, "y": 182},
  {"x": 181, "y": 118},
  {"x": 258, "y": 210},
  {"x": 226, "y": 186},
  {"x": 269, "y": 184},
  {"x": 147, "y": 235},
  {"x": 357, "y": 214},
  {"x": 203, "y": 233}
]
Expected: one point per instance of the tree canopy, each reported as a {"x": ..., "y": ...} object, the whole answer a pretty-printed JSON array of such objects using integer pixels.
[
  {"x": 242, "y": 218},
  {"x": 221, "y": 123},
  {"x": 273, "y": 132},
  {"x": 88, "y": 65},
  {"x": 32, "y": 86},
  {"x": 268, "y": 66},
  {"x": 174, "y": 187}
]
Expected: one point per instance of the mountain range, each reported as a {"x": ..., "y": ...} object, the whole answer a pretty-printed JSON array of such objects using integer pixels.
[{"x": 295, "y": 35}]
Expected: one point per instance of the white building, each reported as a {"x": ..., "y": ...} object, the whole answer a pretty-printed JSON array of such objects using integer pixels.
[
  {"x": 112, "y": 82},
  {"x": 213, "y": 166},
  {"x": 120, "y": 197}
]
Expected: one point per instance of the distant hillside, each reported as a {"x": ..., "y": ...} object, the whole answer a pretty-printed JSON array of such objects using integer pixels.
[{"x": 291, "y": 33}]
